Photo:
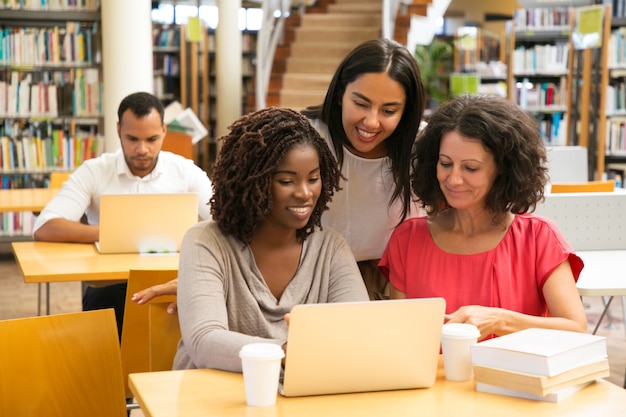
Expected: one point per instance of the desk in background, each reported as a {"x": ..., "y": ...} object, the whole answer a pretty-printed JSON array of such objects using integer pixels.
[
  {"x": 208, "y": 392},
  {"x": 25, "y": 199},
  {"x": 46, "y": 262},
  {"x": 65, "y": 262}
]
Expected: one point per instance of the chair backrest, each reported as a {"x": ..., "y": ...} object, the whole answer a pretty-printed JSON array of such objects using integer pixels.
[
  {"x": 64, "y": 365},
  {"x": 164, "y": 334},
  {"x": 589, "y": 221},
  {"x": 567, "y": 163},
  {"x": 136, "y": 333},
  {"x": 57, "y": 178},
  {"x": 583, "y": 187}
]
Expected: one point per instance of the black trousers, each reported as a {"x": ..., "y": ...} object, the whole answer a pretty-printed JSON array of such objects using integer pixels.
[{"x": 112, "y": 296}]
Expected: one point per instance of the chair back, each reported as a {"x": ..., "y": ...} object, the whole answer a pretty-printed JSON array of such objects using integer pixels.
[
  {"x": 64, "y": 365},
  {"x": 583, "y": 187},
  {"x": 57, "y": 178},
  {"x": 136, "y": 329},
  {"x": 594, "y": 221}
]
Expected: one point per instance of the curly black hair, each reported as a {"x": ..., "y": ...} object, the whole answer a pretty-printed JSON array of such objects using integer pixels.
[
  {"x": 509, "y": 133},
  {"x": 248, "y": 159}
]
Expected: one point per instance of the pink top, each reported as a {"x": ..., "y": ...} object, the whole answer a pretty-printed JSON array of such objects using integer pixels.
[{"x": 509, "y": 276}]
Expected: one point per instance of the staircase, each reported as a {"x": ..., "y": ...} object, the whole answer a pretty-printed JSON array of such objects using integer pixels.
[
  {"x": 315, "y": 44},
  {"x": 317, "y": 41}
]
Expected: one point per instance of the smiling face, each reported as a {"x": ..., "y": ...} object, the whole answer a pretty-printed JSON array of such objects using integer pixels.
[
  {"x": 466, "y": 171},
  {"x": 141, "y": 139},
  {"x": 372, "y": 107},
  {"x": 296, "y": 187}
]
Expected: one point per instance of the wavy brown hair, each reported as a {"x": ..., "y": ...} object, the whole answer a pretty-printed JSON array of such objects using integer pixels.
[
  {"x": 507, "y": 132},
  {"x": 250, "y": 155}
]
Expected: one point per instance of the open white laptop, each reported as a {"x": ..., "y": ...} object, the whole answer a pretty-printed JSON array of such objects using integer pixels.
[
  {"x": 363, "y": 346},
  {"x": 145, "y": 223}
]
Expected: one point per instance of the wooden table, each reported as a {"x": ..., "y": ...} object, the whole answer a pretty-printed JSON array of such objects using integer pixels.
[
  {"x": 26, "y": 199},
  {"x": 207, "y": 392},
  {"x": 46, "y": 262},
  {"x": 65, "y": 262}
]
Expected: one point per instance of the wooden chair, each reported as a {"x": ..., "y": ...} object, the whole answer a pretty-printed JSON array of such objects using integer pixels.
[
  {"x": 149, "y": 334},
  {"x": 64, "y": 365},
  {"x": 57, "y": 178},
  {"x": 583, "y": 187}
]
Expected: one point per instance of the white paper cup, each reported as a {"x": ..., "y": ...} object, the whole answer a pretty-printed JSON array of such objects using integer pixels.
[
  {"x": 261, "y": 369},
  {"x": 456, "y": 339}
]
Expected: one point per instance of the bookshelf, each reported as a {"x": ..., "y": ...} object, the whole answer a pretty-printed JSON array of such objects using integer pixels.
[
  {"x": 50, "y": 96},
  {"x": 538, "y": 67},
  {"x": 482, "y": 53},
  {"x": 184, "y": 71},
  {"x": 166, "y": 62},
  {"x": 615, "y": 146}
]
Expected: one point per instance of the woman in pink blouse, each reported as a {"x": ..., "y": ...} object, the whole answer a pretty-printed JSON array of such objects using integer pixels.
[{"x": 479, "y": 168}]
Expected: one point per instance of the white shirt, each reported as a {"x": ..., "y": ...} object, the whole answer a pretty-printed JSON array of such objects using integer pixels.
[
  {"x": 361, "y": 211},
  {"x": 109, "y": 174}
]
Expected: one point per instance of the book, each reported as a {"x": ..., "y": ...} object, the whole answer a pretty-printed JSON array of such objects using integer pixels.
[
  {"x": 542, "y": 385},
  {"x": 552, "y": 397},
  {"x": 539, "y": 351}
]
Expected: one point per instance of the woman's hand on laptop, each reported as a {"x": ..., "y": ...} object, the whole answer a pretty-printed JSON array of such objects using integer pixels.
[{"x": 169, "y": 288}]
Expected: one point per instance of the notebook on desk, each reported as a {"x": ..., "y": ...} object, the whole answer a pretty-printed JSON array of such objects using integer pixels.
[
  {"x": 366, "y": 346},
  {"x": 145, "y": 223}
]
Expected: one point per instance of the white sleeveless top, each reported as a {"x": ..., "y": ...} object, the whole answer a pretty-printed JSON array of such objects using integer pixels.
[{"x": 361, "y": 210}]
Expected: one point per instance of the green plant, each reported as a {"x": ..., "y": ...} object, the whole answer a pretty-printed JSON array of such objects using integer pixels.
[{"x": 435, "y": 61}]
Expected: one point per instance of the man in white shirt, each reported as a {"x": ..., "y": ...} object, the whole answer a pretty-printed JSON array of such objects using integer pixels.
[{"x": 139, "y": 167}]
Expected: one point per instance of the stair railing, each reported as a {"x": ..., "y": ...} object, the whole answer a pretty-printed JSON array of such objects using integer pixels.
[
  {"x": 390, "y": 11},
  {"x": 272, "y": 29}
]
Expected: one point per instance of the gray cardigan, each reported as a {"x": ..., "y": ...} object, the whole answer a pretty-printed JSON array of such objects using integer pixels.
[{"x": 223, "y": 301}]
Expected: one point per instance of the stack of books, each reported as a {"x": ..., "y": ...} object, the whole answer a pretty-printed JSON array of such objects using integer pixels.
[{"x": 539, "y": 364}]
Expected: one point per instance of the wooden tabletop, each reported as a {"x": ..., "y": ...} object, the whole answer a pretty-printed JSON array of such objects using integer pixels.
[
  {"x": 63, "y": 262},
  {"x": 604, "y": 273},
  {"x": 206, "y": 392},
  {"x": 26, "y": 199}
]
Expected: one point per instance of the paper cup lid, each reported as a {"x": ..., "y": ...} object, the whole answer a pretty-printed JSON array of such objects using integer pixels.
[
  {"x": 266, "y": 351},
  {"x": 460, "y": 330}
]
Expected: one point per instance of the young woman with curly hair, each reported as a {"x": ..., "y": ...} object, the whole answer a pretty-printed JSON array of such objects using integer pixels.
[
  {"x": 264, "y": 250},
  {"x": 479, "y": 168}
]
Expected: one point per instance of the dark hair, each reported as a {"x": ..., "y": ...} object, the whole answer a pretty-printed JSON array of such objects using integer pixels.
[
  {"x": 250, "y": 155},
  {"x": 140, "y": 104},
  {"x": 392, "y": 58},
  {"x": 509, "y": 133}
]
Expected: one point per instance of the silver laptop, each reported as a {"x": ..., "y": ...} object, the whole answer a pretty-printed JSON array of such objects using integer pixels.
[
  {"x": 366, "y": 346},
  {"x": 145, "y": 223}
]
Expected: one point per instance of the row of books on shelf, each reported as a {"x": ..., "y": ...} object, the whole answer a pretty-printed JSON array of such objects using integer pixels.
[
  {"x": 45, "y": 154},
  {"x": 166, "y": 87},
  {"x": 82, "y": 5},
  {"x": 72, "y": 44},
  {"x": 618, "y": 7},
  {"x": 542, "y": 18},
  {"x": 17, "y": 223},
  {"x": 21, "y": 96},
  {"x": 166, "y": 36},
  {"x": 615, "y": 98},
  {"x": 616, "y": 51},
  {"x": 168, "y": 65},
  {"x": 541, "y": 59},
  {"x": 24, "y": 180},
  {"x": 615, "y": 142},
  {"x": 539, "y": 364},
  {"x": 537, "y": 95},
  {"x": 553, "y": 128}
]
